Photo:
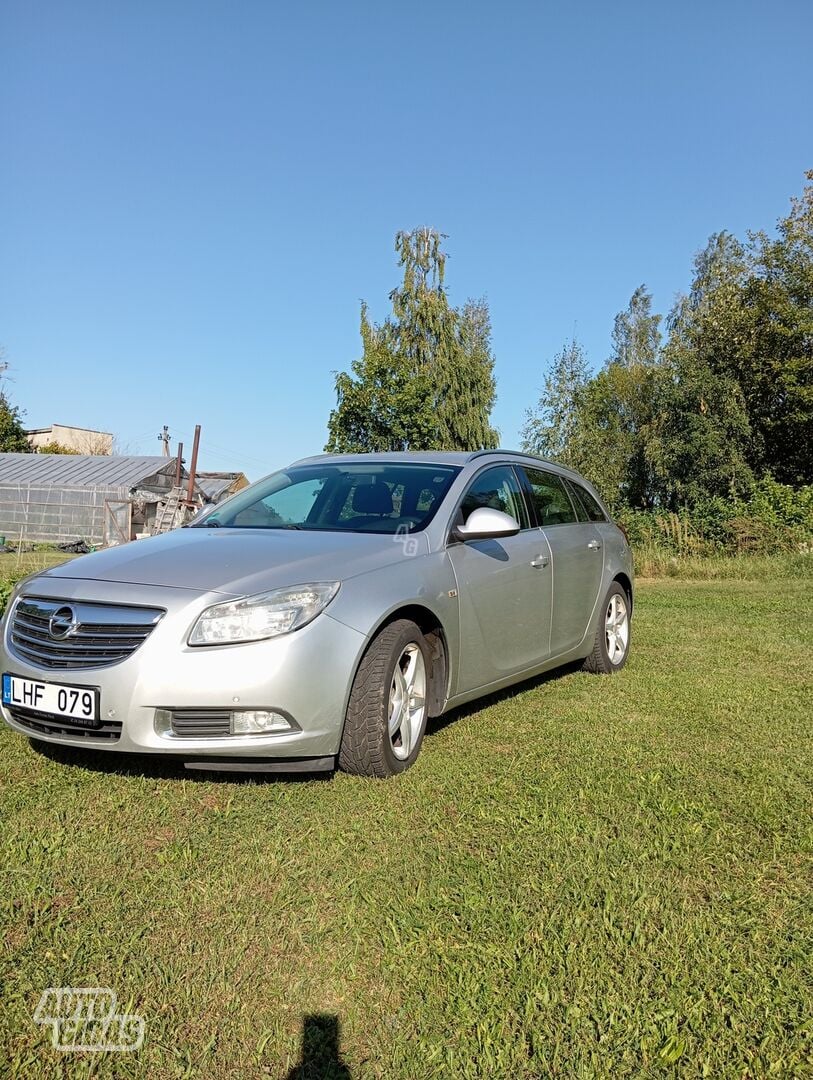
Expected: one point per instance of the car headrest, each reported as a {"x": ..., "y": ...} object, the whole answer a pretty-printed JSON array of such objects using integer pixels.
[{"x": 372, "y": 499}]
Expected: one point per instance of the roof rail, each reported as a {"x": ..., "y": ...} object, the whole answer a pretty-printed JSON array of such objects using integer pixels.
[
  {"x": 311, "y": 457},
  {"x": 512, "y": 453},
  {"x": 522, "y": 454}
]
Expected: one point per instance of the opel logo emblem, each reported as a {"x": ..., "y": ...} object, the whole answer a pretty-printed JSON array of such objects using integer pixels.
[{"x": 62, "y": 623}]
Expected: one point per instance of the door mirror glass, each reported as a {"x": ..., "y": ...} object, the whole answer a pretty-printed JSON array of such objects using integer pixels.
[{"x": 485, "y": 523}]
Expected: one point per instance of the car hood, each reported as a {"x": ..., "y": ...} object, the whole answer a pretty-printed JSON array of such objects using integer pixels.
[{"x": 240, "y": 562}]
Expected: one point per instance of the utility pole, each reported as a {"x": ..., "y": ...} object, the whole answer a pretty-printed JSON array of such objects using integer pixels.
[{"x": 164, "y": 438}]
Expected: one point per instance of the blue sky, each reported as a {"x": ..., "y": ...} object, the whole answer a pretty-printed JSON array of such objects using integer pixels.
[{"x": 194, "y": 197}]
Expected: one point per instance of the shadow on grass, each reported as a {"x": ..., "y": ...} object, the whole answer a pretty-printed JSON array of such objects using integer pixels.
[
  {"x": 321, "y": 1056},
  {"x": 160, "y": 766},
  {"x": 438, "y": 723}
]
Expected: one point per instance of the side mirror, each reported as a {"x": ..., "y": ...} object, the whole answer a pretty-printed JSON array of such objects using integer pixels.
[{"x": 486, "y": 524}]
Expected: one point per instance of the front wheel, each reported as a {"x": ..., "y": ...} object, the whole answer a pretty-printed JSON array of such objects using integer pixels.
[
  {"x": 386, "y": 714},
  {"x": 612, "y": 643}
]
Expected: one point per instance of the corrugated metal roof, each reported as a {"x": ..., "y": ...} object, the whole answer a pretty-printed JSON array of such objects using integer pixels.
[
  {"x": 211, "y": 486},
  {"x": 214, "y": 485},
  {"x": 81, "y": 470}
]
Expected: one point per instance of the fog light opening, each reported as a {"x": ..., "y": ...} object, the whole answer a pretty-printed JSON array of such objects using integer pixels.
[
  {"x": 260, "y": 722},
  {"x": 163, "y": 722}
]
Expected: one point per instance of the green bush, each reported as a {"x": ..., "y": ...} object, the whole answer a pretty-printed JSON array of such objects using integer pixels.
[
  {"x": 7, "y": 583},
  {"x": 773, "y": 519}
]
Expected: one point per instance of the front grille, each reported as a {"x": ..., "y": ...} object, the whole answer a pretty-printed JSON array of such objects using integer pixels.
[
  {"x": 60, "y": 634},
  {"x": 48, "y": 724},
  {"x": 200, "y": 723}
]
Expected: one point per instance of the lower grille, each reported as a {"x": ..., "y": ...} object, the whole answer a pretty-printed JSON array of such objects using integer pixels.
[
  {"x": 61, "y": 634},
  {"x": 200, "y": 723},
  {"x": 48, "y": 724}
]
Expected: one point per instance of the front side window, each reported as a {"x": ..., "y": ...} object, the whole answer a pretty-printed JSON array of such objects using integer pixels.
[
  {"x": 548, "y": 495},
  {"x": 498, "y": 489},
  {"x": 377, "y": 498}
]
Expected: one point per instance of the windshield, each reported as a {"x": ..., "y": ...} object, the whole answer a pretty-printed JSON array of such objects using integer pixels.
[{"x": 374, "y": 498}]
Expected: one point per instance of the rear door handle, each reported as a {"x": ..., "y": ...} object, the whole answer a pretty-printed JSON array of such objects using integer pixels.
[
  {"x": 594, "y": 545},
  {"x": 540, "y": 562}
]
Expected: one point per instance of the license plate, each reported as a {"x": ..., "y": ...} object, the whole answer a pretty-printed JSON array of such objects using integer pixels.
[{"x": 77, "y": 703}]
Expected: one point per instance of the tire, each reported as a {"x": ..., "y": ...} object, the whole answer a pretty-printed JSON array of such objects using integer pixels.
[
  {"x": 381, "y": 697},
  {"x": 613, "y": 634}
]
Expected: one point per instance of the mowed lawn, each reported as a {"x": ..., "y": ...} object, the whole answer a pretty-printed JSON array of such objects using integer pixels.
[{"x": 584, "y": 877}]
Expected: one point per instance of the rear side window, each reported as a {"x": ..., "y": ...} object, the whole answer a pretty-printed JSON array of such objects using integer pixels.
[
  {"x": 496, "y": 488},
  {"x": 548, "y": 495},
  {"x": 573, "y": 491},
  {"x": 583, "y": 496}
]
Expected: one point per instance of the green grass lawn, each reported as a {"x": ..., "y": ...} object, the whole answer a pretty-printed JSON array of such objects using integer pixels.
[{"x": 585, "y": 877}]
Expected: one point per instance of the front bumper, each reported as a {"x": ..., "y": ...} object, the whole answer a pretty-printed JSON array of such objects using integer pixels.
[{"x": 305, "y": 675}]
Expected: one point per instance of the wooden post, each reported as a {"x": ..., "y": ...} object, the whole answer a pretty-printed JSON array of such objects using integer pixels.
[
  {"x": 179, "y": 465},
  {"x": 193, "y": 467}
]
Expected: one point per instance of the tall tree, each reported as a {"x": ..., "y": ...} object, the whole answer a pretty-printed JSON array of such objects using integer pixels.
[
  {"x": 774, "y": 358},
  {"x": 553, "y": 427},
  {"x": 383, "y": 404},
  {"x": 703, "y": 437},
  {"x": 463, "y": 413},
  {"x": 602, "y": 425},
  {"x": 425, "y": 380},
  {"x": 12, "y": 436},
  {"x": 636, "y": 332},
  {"x": 622, "y": 400},
  {"x": 741, "y": 353},
  {"x": 13, "y": 439},
  {"x": 728, "y": 398}
]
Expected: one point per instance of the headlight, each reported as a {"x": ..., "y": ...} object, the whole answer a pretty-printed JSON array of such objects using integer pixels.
[{"x": 267, "y": 615}]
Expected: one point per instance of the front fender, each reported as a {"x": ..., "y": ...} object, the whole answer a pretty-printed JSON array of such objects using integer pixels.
[{"x": 366, "y": 602}]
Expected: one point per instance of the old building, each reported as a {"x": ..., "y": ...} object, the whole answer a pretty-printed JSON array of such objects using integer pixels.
[
  {"x": 217, "y": 486},
  {"x": 102, "y": 499},
  {"x": 80, "y": 440}
]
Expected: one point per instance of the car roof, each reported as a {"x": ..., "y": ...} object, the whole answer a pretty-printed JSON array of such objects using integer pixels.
[{"x": 430, "y": 457}]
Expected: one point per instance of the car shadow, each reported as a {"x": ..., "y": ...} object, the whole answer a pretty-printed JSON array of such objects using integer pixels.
[
  {"x": 438, "y": 723},
  {"x": 161, "y": 767}
]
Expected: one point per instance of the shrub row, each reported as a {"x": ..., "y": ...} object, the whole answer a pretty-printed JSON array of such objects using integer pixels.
[{"x": 774, "y": 518}]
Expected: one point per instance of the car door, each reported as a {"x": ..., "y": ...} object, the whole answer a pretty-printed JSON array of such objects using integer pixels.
[
  {"x": 503, "y": 587},
  {"x": 577, "y": 558}
]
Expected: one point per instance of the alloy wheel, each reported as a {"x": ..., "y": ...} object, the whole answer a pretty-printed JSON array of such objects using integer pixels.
[
  {"x": 407, "y": 701},
  {"x": 616, "y": 629}
]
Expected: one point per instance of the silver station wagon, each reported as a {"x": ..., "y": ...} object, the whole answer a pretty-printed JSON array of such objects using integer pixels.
[{"x": 322, "y": 615}]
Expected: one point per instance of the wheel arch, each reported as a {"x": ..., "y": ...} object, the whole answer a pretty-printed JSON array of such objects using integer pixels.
[
  {"x": 431, "y": 626},
  {"x": 626, "y": 584}
]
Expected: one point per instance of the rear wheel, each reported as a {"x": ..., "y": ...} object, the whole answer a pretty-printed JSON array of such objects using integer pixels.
[
  {"x": 386, "y": 715},
  {"x": 612, "y": 643}
]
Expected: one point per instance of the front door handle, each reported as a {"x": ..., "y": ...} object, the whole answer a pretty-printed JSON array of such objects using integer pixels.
[
  {"x": 540, "y": 562},
  {"x": 594, "y": 545}
]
